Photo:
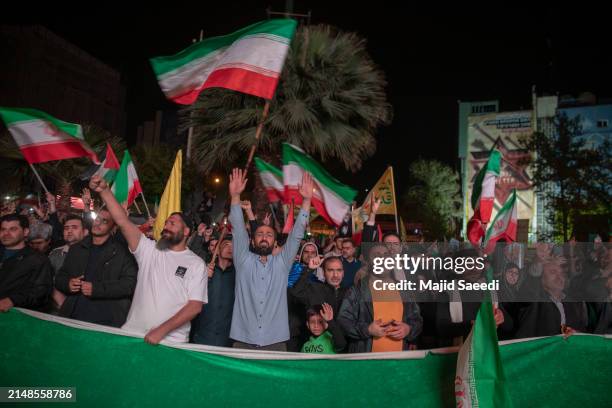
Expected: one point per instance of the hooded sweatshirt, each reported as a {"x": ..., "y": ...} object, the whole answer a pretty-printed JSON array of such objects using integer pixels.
[{"x": 298, "y": 267}]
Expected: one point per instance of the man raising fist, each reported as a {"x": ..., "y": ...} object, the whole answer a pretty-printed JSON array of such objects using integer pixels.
[{"x": 172, "y": 280}]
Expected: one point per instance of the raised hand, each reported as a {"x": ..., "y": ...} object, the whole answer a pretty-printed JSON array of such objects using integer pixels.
[
  {"x": 267, "y": 219},
  {"x": 315, "y": 262},
  {"x": 86, "y": 197},
  {"x": 327, "y": 312},
  {"x": 201, "y": 228},
  {"x": 237, "y": 182},
  {"x": 307, "y": 186},
  {"x": 97, "y": 184}
]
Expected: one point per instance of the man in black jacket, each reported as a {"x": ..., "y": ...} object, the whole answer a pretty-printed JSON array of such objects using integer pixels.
[
  {"x": 552, "y": 313},
  {"x": 311, "y": 293},
  {"x": 98, "y": 276},
  {"x": 212, "y": 326},
  {"x": 25, "y": 275}
]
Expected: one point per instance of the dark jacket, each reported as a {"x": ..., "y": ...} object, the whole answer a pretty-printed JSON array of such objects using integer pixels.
[
  {"x": 26, "y": 279},
  {"x": 544, "y": 319},
  {"x": 447, "y": 330},
  {"x": 357, "y": 311},
  {"x": 316, "y": 293},
  {"x": 200, "y": 248},
  {"x": 305, "y": 294},
  {"x": 115, "y": 278},
  {"x": 212, "y": 326}
]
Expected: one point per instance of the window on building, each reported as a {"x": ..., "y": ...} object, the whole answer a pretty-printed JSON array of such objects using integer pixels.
[
  {"x": 483, "y": 108},
  {"x": 602, "y": 123}
]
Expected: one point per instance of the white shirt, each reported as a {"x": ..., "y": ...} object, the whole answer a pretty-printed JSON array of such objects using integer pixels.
[{"x": 166, "y": 281}]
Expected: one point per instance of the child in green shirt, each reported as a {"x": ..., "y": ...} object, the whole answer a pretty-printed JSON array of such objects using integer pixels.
[{"x": 327, "y": 336}]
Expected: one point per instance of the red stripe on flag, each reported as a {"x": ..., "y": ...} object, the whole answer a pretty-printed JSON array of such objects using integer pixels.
[
  {"x": 316, "y": 203},
  {"x": 236, "y": 79},
  {"x": 486, "y": 208},
  {"x": 133, "y": 193},
  {"x": 56, "y": 151},
  {"x": 273, "y": 195}
]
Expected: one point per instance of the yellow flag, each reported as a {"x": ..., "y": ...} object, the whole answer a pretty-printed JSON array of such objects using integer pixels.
[
  {"x": 403, "y": 233},
  {"x": 171, "y": 199},
  {"x": 384, "y": 189}
]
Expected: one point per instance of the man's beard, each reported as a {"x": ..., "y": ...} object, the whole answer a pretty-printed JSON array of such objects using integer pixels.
[
  {"x": 167, "y": 242},
  {"x": 263, "y": 251}
]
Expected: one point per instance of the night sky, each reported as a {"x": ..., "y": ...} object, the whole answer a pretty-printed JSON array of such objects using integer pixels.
[{"x": 432, "y": 58}]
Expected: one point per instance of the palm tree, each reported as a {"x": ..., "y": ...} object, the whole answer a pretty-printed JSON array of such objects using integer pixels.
[
  {"x": 62, "y": 174},
  {"x": 330, "y": 101}
]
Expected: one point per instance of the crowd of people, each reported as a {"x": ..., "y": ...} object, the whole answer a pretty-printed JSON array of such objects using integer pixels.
[{"x": 244, "y": 284}]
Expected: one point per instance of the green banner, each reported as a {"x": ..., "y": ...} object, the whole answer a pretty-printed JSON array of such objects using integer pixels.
[{"x": 109, "y": 370}]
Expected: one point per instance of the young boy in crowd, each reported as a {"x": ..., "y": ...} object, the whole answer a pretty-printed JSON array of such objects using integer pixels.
[{"x": 327, "y": 337}]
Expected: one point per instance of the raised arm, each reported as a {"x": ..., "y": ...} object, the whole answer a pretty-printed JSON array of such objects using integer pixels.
[
  {"x": 293, "y": 240},
  {"x": 129, "y": 230},
  {"x": 237, "y": 184}
]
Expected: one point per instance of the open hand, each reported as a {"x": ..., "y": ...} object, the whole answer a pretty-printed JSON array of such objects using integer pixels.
[
  {"x": 307, "y": 186},
  {"x": 237, "y": 182}
]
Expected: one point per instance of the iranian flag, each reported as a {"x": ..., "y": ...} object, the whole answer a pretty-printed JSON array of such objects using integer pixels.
[
  {"x": 272, "y": 179},
  {"x": 480, "y": 380},
  {"x": 504, "y": 225},
  {"x": 249, "y": 61},
  {"x": 42, "y": 138},
  {"x": 126, "y": 187},
  {"x": 331, "y": 199},
  {"x": 483, "y": 197},
  {"x": 107, "y": 169}
]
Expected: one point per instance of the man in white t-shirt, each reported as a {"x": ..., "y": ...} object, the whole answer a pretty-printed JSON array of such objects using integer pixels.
[{"x": 172, "y": 280}]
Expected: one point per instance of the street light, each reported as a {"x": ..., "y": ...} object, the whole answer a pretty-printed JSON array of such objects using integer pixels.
[{"x": 217, "y": 180}]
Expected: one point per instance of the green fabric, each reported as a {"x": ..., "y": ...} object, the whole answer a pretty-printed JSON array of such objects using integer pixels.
[
  {"x": 324, "y": 344},
  {"x": 121, "y": 188},
  {"x": 505, "y": 216},
  {"x": 281, "y": 27},
  {"x": 117, "y": 371},
  {"x": 264, "y": 166},
  {"x": 493, "y": 165},
  {"x": 292, "y": 155},
  {"x": 489, "y": 377}
]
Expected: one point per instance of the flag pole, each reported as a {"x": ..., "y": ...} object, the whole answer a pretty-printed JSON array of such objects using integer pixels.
[
  {"x": 137, "y": 207},
  {"x": 190, "y": 130},
  {"x": 394, "y": 200},
  {"x": 264, "y": 116},
  {"x": 145, "y": 203},
  {"x": 38, "y": 177},
  {"x": 216, "y": 252}
]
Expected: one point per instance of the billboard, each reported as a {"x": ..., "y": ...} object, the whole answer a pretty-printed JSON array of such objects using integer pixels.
[{"x": 502, "y": 130}]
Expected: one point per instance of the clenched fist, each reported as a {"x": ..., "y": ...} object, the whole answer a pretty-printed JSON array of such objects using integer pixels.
[{"x": 97, "y": 184}]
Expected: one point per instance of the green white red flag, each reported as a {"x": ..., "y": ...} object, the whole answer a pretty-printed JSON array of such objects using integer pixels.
[
  {"x": 272, "y": 179},
  {"x": 504, "y": 225},
  {"x": 43, "y": 138},
  {"x": 127, "y": 186},
  {"x": 480, "y": 380},
  {"x": 249, "y": 60},
  {"x": 483, "y": 197},
  {"x": 331, "y": 198}
]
